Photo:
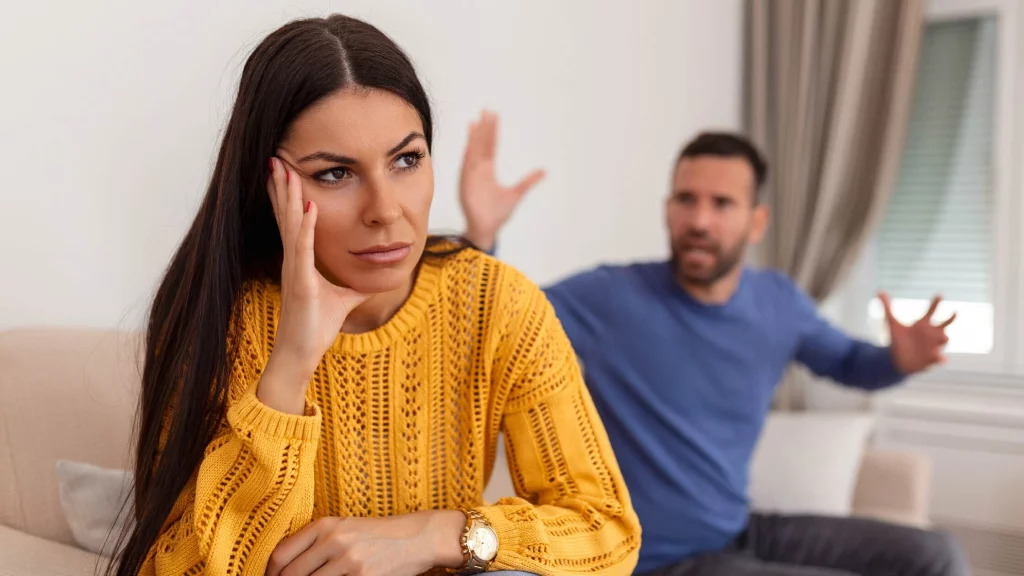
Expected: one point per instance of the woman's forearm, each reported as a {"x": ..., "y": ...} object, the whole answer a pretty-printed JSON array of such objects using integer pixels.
[
  {"x": 283, "y": 385},
  {"x": 441, "y": 532}
]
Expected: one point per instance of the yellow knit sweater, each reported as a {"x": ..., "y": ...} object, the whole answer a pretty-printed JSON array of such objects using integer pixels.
[{"x": 405, "y": 418}]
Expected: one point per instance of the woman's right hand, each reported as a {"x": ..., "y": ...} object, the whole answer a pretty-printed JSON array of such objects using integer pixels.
[{"x": 312, "y": 308}]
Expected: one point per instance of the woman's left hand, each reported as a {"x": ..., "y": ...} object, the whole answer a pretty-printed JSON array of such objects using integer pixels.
[{"x": 404, "y": 545}]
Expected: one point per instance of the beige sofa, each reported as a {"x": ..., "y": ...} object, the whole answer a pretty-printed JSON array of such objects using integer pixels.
[{"x": 70, "y": 394}]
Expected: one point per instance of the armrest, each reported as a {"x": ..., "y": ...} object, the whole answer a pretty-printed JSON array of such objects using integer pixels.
[
  {"x": 27, "y": 555},
  {"x": 894, "y": 487}
]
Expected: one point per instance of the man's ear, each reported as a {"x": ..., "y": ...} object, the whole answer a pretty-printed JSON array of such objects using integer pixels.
[{"x": 760, "y": 224}]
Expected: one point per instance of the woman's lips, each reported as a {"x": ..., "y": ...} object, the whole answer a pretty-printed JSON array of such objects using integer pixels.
[{"x": 389, "y": 254}]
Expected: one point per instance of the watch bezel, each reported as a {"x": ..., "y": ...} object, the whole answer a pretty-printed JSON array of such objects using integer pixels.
[{"x": 480, "y": 527}]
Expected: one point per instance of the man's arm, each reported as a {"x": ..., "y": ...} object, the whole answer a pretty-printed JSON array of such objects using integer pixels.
[{"x": 827, "y": 351}]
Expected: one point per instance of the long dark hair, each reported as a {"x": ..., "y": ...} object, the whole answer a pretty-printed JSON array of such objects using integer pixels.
[{"x": 234, "y": 239}]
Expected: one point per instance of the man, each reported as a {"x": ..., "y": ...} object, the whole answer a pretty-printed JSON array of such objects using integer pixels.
[{"x": 682, "y": 359}]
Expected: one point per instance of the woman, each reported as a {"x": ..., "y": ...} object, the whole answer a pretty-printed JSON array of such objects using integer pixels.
[{"x": 324, "y": 385}]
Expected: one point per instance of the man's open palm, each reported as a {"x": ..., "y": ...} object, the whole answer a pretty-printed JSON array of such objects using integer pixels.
[
  {"x": 919, "y": 345},
  {"x": 486, "y": 204}
]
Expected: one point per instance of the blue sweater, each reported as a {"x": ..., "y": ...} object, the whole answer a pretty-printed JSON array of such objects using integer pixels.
[{"x": 683, "y": 388}]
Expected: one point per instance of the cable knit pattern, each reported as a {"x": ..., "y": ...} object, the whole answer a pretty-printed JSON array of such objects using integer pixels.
[{"x": 407, "y": 417}]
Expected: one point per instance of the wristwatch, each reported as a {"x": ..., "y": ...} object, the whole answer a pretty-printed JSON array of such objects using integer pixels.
[{"x": 479, "y": 543}]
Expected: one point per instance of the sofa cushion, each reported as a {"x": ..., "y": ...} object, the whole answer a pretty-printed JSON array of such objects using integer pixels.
[
  {"x": 64, "y": 394},
  {"x": 809, "y": 462},
  {"x": 24, "y": 554},
  {"x": 93, "y": 500},
  {"x": 894, "y": 487}
]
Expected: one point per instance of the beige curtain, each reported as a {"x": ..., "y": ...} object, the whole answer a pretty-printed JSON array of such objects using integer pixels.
[{"x": 829, "y": 86}]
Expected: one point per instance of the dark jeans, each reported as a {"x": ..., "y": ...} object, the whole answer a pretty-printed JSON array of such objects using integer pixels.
[{"x": 816, "y": 546}]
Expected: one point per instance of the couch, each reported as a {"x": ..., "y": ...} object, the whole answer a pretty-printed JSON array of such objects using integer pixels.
[{"x": 70, "y": 394}]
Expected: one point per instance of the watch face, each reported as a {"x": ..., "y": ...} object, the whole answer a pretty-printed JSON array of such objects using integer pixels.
[{"x": 484, "y": 543}]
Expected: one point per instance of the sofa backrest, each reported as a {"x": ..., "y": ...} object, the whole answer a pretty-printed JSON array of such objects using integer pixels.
[
  {"x": 71, "y": 395},
  {"x": 64, "y": 394}
]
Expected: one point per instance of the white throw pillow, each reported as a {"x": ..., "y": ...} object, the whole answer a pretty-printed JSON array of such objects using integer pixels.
[
  {"x": 92, "y": 499},
  {"x": 808, "y": 462}
]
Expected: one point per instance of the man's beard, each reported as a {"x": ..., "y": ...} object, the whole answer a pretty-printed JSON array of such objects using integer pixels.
[{"x": 724, "y": 261}]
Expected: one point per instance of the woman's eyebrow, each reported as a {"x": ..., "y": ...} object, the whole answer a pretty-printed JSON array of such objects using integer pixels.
[
  {"x": 328, "y": 156},
  {"x": 339, "y": 159}
]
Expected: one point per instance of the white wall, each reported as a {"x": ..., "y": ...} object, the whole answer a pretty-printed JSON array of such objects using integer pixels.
[{"x": 111, "y": 112}]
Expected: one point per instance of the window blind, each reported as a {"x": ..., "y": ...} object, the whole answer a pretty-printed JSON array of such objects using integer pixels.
[{"x": 936, "y": 234}]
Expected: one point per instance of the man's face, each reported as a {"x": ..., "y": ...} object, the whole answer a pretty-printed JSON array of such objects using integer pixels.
[{"x": 712, "y": 215}]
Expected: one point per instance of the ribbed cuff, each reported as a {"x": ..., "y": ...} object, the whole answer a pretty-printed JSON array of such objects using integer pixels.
[
  {"x": 251, "y": 415},
  {"x": 878, "y": 369},
  {"x": 506, "y": 530},
  {"x": 890, "y": 374}
]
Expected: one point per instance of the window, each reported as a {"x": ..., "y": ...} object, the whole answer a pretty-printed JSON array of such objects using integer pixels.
[
  {"x": 937, "y": 235},
  {"x": 952, "y": 224}
]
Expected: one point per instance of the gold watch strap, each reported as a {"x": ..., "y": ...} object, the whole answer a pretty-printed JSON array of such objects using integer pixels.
[{"x": 473, "y": 563}]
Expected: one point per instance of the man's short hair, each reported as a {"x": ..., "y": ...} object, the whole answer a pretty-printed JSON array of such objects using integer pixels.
[{"x": 729, "y": 145}]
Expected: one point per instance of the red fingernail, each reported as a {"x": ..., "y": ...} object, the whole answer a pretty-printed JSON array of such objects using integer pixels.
[
  {"x": 271, "y": 165},
  {"x": 307, "y": 206}
]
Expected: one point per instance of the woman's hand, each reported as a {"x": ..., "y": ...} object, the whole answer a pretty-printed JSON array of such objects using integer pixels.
[
  {"x": 396, "y": 546},
  {"x": 312, "y": 309}
]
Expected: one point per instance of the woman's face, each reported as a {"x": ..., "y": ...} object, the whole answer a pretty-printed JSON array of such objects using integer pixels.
[{"x": 363, "y": 161}]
